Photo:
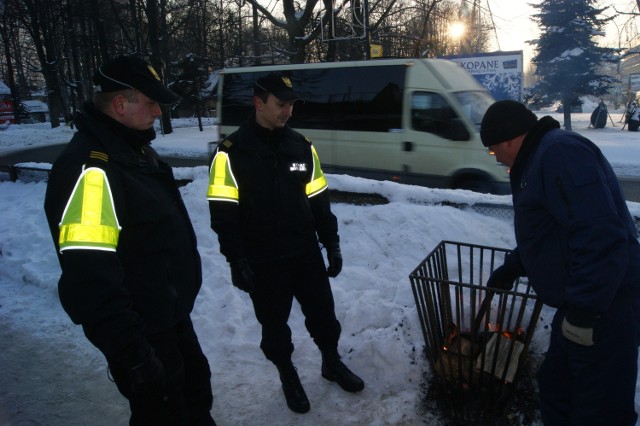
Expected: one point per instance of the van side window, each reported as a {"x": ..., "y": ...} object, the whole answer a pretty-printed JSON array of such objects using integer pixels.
[
  {"x": 357, "y": 101},
  {"x": 474, "y": 103},
  {"x": 350, "y": 98},
  {"x": 430, "y": 112}
]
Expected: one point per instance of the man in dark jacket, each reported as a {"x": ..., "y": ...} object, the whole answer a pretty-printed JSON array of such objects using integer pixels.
[
  {"x": 130, "y": 266},
  {"x": 269, "y": 206},
  {"x": 578, "y": 246}
]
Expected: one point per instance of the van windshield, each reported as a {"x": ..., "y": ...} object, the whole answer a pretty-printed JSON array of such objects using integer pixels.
[{"x": 474, "y": 104}]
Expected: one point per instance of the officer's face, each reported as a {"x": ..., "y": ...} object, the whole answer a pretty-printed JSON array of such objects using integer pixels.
[
  {"x": 139, "y": 112},
  {"x": 273, "y": 113}
]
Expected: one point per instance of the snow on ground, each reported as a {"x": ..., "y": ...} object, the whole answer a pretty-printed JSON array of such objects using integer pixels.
[{"x": 50, "y": 375}]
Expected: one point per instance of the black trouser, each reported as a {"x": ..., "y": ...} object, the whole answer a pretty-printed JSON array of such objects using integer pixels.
[
  {"x": 594, "y": 385},
  {"x": 304, "y": 278},
  {"x": 188, "y": 381}
]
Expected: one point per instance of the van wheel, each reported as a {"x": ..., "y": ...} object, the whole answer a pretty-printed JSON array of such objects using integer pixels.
[{"x": 475, "y": 184}]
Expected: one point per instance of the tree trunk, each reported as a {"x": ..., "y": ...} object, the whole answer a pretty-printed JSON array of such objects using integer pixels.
[
  {"x": 53, "y": 92},
  {"x": 101, "y": 37},
  {"x": 157, "y": 33},
  {"x": 332, "y": 45},
  {"x": 7, "y": 33},
  {"x": 297, "y": 45},
  {"x": 257, "y": 52},
  {"x": 566, "y": 106}
]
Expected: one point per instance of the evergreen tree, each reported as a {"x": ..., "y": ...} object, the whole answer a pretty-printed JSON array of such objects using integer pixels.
[{"x": 567, "y": 57}]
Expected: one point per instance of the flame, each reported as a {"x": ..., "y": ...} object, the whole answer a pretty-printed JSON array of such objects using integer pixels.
[
  {"x": 514, "y": 335},
  {"x": 451, "y": 337},
  {"x": 450, "y": 340}
]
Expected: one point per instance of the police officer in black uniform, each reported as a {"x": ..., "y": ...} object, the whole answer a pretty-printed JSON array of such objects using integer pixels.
[
  {"x": 130, "y": 265},
  {"x": 269, "y": 206}
]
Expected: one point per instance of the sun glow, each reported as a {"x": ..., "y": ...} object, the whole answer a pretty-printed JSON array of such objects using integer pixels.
[{"x": 456, "y": 30}]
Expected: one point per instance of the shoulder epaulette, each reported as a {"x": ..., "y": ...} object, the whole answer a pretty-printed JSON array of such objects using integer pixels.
[
  {"x": 227, "y": 143},
  {"x": 97, "y": 155},
  {"x": 308, "y": 140}
]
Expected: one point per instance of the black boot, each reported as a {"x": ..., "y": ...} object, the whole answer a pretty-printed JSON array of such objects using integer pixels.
[
  {"x": 333, "y": 369},
  {"x": 297, "y": 400}
]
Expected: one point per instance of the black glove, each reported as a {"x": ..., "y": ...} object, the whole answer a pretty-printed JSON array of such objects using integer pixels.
[
  {"x": 148, "y": 376},
  {"x": 503, "y": 277},
  {"x": 577, "y": 326},
  {"x": 242, "y": 276},
  {"x": 334, "y": 256}
]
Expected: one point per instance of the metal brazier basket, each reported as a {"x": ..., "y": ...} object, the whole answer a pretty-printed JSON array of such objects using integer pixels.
[{"x": 476, "y": 337}]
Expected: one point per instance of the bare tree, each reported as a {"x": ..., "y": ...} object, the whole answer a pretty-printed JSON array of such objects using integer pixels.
[
  {"x": 296, "y": 20},
  {"x": 8, "y": 32},
  {"x": 69, "y": 39},
  {"x": 43, "y": 20}
]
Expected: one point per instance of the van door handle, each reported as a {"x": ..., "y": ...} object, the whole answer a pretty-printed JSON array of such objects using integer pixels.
[{"x": 407, "y": 146}]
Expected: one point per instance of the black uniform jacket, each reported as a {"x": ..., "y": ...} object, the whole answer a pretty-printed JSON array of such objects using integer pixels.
[
  {"x": 274, "y": 219},
  {"x": 151, "y": 281}
]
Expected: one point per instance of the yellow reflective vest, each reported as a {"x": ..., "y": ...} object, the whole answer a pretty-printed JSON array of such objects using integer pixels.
[
  {"x": 224, "y": 187},
  {"x": 89, "y": 220},
  {"x": 268, "y": 195}
]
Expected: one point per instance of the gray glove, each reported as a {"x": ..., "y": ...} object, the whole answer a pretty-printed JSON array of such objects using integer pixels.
[{"x": 577, "y": 326}]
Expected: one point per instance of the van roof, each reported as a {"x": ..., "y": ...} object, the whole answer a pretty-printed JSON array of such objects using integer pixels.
[
  {"x": 449, "y": 73},
  {"x": 320, "y": 65}
]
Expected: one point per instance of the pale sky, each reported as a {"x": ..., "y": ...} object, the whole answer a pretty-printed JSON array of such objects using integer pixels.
[{"x": 512, "y": 19}]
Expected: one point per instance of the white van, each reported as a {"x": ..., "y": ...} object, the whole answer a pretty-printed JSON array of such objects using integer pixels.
[{"x": 407, "y": 120}]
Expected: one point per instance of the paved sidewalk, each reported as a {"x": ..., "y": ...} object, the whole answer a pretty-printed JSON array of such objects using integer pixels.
[{"x": 43, "y": 383}]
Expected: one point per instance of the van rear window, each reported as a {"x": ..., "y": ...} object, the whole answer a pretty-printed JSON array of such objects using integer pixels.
[{"x": 349, "y": 98}]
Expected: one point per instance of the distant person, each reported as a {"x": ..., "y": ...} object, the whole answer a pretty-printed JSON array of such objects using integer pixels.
[
  {"x": 632, "y": 116},
  {"x": 130, "y": 265},
  {"x": 269, "y": 206},
  {"x": 578, "y": 245},
  {"x": 599, "y": 115}
]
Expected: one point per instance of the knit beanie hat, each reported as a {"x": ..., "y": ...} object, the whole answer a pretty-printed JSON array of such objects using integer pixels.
[{"x": 504, "y": 120}]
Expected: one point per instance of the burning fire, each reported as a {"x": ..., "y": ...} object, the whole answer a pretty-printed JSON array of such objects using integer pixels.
[
  {"x": 454, "y": 335},
  {"x": 518, "y": 334}
]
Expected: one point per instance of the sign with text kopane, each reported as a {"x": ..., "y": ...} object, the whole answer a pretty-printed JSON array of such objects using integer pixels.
[{"x": 499, "y": 72}]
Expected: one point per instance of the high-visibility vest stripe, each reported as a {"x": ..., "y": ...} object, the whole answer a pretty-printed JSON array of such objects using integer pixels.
[
  {"x": 89, "y": 219},
  {"x": 223, "y": 185},
  {"x": 318, "y": 181},
  {"x": 222, "y": 182}
]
